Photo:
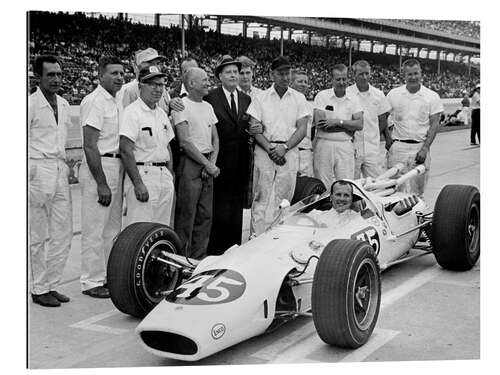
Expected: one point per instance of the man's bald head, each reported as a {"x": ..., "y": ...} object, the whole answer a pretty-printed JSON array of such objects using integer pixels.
[{"x": 196, "y": 81}]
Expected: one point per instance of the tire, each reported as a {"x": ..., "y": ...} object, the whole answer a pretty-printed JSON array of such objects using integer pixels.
[
  {"x": 306, "y": 186},
  {"x": 343, "y": 268},
  {"x": 135, "y": 279},
  {"x": 455, "y": 227}
]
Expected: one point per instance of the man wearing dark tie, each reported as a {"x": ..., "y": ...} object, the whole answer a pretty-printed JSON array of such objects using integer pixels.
[{"x": 230, "y": 107}]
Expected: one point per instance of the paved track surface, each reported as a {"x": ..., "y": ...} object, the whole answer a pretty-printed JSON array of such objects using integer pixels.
[{"x": 427, "y": 313}]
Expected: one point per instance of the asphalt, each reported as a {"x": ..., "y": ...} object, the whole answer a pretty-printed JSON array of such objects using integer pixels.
[{"x": 427, "y": 313}]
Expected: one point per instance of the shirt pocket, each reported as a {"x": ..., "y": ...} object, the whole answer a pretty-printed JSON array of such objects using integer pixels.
[{"x": 147, "y": 137}]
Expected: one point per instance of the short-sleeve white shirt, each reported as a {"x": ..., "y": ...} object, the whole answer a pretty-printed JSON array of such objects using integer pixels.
[
  {"x": 279, "y": 115},
  {"x": 374, "y": 103},
  {"x": 200, "y": 117},
  {"x": 101, "y": 110},
  {"x": 149, "y": 129},
  {"x": 47, "y": 139},
  {"x": 343, "y": 109},
  {"x": 411, "y": 112}
]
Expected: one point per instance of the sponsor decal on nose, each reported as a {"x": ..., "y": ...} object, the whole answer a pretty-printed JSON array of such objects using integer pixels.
[{"x": 218, "y": 331}]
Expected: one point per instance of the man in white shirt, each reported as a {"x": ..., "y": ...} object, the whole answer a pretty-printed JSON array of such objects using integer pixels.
[
  {"x": 300, "y": 82},
  {"x": 199, "y": 143},
  {"x": 50, "y": 214},
  {"x": 145, "y": 135},
  {"x": 338, "y": 114},
  {"x": 416, "y": 111},
  {"x": 101, "y": 176},
  {"x": 284, "y": 113},
  {"x": 375, "y": 111}
]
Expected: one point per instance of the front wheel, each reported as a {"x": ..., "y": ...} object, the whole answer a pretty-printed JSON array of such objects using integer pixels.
[
  {"x": 346, "y": 293},
  {"x": 138, "y": 276}
]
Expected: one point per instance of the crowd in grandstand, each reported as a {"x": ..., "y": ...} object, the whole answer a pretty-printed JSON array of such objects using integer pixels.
[
  {"x": 74, "y": 38},
  {"x": 462, "y": 28}
]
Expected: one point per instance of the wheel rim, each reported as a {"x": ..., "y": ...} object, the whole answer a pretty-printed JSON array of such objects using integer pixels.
[
  {"x": 158, "y": 277},
  {"x": 472, "y": 232},
  {"x": 365, "y": 294}
]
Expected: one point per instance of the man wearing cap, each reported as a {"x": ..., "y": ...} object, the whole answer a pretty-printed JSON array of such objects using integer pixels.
[
  {"x": 50, "y": 216},
  {"x": 145, "y": 134},
  {"x": 284, "y": 113},
  {"x": 338, "y": 114},
  {"x": 177, "y": 89},
  {"x": 375, "y": 111},
  {"x": 146, "y": 58},
  {"x": 300, "y": 82},
  {"x": 197, "y": 168},
  {"x": 246, "y": 77},
  {"x": 230, "y": 106},
  {"x": 101, "y": 176},
  {"x": 416, "y": 111}
]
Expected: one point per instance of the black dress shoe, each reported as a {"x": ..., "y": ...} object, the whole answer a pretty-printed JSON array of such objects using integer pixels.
[
  {"x": 97, "y": 292},
  {"x": 46, "y": 300},
  {"x": 60, "y": 297}
]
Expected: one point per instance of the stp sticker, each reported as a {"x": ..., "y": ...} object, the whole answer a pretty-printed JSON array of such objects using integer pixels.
[
  {"x": 209, "y": 288},
  {"x": 218, "y": 331}
]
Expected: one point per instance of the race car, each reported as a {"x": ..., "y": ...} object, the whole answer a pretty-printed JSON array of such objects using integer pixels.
[{"x": 192, "y": 309}]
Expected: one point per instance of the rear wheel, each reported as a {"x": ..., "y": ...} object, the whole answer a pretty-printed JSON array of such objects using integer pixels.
[
  {"x": 306, "y": 186},
  {"x": 137, "y": 277},
  {"x": 456, "y": 227},
  {"x": 346, "y": 293}
]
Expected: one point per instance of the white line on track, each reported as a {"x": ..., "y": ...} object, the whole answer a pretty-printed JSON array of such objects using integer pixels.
[
  {"x": 89, "y": 324},
  {"x": 298, "y": 344}
]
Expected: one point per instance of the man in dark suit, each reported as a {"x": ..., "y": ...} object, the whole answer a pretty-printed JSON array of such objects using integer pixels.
[{"x": 230, "y": 107}]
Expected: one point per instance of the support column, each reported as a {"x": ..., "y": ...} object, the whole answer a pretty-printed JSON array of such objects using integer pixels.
[
  {"x": 470, "y": 64},
  {"x": 290, "y": 33},
  {"x": 439, "y": 62},
  {"x": 372, "y": 44},
  {"x": 218, "y": 24},
  {"x": 183, "y": 38},
  {"x": 327, "y": 41},
  {"x": 157, "y": 19},
  {"x": 268, "y": 32},
  {"x": 309, "y": 37},
  {"x": 385, "y": 48},
  {"x": 281, "y": 41},
  {"x": 350, "y": 53},
  {"x": 245, "y": 28}
]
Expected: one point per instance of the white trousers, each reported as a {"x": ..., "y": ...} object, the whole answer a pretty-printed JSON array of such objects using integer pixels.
[
  {"x": 333, "y": 160},
  {"x": 51, "y": 223},
  {"x": 405, "y": 153},
  {"x": 100, "y": 225},
  {"x": 306, "y": 163},
  {"x": 158, "y": 209},
  {"x": 365, "y": 163},
  {"x": 271, "y": 184}
]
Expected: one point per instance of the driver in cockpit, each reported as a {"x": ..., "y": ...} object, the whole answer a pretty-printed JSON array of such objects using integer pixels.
[{"x": 341, "y": 196}]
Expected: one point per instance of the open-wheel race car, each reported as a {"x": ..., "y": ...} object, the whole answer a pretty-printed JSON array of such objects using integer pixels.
[{"x": 193, "y": 309}]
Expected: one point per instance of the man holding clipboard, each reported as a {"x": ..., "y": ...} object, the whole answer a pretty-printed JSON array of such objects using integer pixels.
[{"x": 337, "y": 115}]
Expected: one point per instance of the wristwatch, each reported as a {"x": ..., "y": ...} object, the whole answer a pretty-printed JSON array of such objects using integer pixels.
[{"x": 286, "y": 146}]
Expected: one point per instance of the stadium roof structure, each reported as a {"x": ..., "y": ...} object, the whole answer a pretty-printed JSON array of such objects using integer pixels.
[{"x": 384, "y": 31}]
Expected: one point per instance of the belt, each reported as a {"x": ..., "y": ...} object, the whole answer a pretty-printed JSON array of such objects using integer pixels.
[
  {"x": 279, "y": 142},
  {"x": 111, "y": 155},
  {"x": 412, "y": 141},
  {"x": 304, "y": 149},
  {"x": 154, "y": 164}
]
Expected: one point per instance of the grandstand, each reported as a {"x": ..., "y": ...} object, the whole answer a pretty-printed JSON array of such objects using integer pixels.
[{"x": 79, "y": 39}]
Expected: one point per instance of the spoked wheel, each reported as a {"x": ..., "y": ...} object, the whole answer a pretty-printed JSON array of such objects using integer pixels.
[
  {"x": 139, "y": 271},
  {"x": 456, "y": 227},
  {"x": 346, "y": 293}
]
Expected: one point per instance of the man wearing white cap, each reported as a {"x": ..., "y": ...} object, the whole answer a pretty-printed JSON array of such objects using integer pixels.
[
  {"x": 144, "y": 59},
  {"x": 101, "y": 176},
  {"x": 416, "y": 111},
  {"x": 145, "y": 133},
  {"x": 284, "y": 113}
]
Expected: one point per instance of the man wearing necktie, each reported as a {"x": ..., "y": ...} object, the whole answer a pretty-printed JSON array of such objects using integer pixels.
[{"x": 230, "y": 107}]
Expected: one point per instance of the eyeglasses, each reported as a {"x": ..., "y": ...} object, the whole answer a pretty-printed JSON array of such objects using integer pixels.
[{"x": 154, "y": 85}]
